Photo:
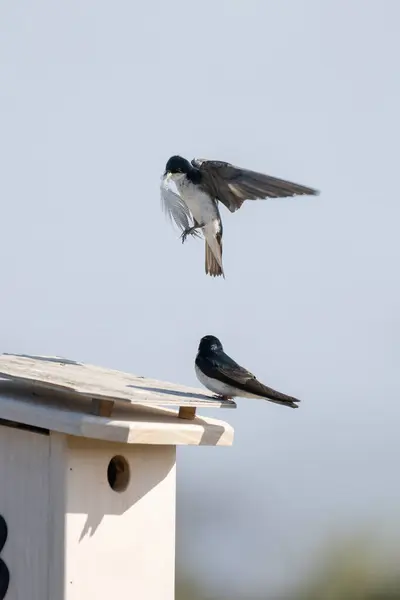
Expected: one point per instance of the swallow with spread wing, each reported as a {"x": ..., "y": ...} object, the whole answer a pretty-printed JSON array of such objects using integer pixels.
[
  {"x": 201, "y": 184},
  {"x": 225, "y": 378}
]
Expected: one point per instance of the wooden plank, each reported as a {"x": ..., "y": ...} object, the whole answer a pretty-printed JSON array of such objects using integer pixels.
[
  {"x": 102, "y": 408},
  {"x": 119, "y": 545},
  {"x": 187, "y": 412},
  {"x": 24, "y": 502},
  {"x": 60, "y": 375},
  {"x": 129, "y": 423}
]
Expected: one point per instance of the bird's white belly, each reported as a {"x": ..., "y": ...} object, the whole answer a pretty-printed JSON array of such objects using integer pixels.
[
  {"x": 222, "y": 389},
  {"x": 218, "y": 387},
  {"x": 198, "y": 202}
]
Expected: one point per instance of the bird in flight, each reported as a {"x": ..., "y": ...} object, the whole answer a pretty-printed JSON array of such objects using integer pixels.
[
  {"x": 201, "y": 184},
  {"x": 225, "y": 378}
]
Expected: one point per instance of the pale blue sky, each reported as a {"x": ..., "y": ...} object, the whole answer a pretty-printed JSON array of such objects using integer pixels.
[{"x": 95, "y": 97}]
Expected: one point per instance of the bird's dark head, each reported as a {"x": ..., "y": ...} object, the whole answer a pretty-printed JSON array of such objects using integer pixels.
[
  {"x": 209, "y": 343},
  {"x": 177, "y": 164}
]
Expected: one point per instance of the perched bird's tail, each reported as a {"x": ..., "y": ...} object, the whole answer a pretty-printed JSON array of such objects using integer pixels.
[
  {"x": 278, "y": 398},
  {"x": 272, "y": 395},
  {"x": 214, "y": 266}
]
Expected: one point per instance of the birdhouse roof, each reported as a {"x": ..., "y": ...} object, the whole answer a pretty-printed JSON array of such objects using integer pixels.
[{"x": 64, "y": 395}]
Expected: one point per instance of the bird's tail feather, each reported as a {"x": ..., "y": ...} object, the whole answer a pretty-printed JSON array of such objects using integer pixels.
[
  {"x": 213, "y": 266},
  {"x": 278, "y": 398},
  {"x": 290, "y": 403},
  {"x": 263, "y": 391}
]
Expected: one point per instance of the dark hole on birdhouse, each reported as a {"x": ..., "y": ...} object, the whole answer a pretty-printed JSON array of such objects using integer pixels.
[{"x": 118, "y": 474}]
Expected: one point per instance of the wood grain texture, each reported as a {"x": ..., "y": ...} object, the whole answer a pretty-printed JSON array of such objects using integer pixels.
[
  {"x": 130, "y": 423},
  {"x": 66, "y": 376}
]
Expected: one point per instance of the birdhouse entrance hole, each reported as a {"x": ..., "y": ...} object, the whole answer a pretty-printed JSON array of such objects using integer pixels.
[{"x": 118, "y": 474}]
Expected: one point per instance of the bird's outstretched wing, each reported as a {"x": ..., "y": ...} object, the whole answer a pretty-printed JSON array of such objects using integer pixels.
[
  {"x": 231, "y": 373},
  {"x": 175, "y": 207},
  {"x": 233, "y": 185}
]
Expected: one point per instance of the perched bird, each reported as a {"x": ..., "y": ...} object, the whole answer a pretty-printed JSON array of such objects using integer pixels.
[
  {"x": 223, "y": 376},
  {"x": 201, "y": 184}
]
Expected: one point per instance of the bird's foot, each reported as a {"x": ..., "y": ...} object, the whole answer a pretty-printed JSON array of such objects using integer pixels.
[
  {"x": 191, "y": 231},
  {"x": 221, "y": 397}
]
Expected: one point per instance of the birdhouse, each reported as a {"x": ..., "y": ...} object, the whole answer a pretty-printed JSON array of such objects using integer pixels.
[{"x": 88, "y": 479}]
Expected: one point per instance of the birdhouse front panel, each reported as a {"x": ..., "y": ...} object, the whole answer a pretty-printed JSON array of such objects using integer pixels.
[{"x": 120, "y": 520}]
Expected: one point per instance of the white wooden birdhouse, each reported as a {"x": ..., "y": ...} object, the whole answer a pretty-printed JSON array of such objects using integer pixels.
[{"x": 87, "y": 479}]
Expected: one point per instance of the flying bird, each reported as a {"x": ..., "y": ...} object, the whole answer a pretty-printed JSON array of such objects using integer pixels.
[
  {"x": 201, "y": 184},
  {"x": 223, "y": 376}
]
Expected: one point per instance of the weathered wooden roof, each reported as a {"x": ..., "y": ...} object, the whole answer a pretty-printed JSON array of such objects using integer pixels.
[
  {"x": 58, "y": 394},
  {"x": 64, "y": 375}
]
